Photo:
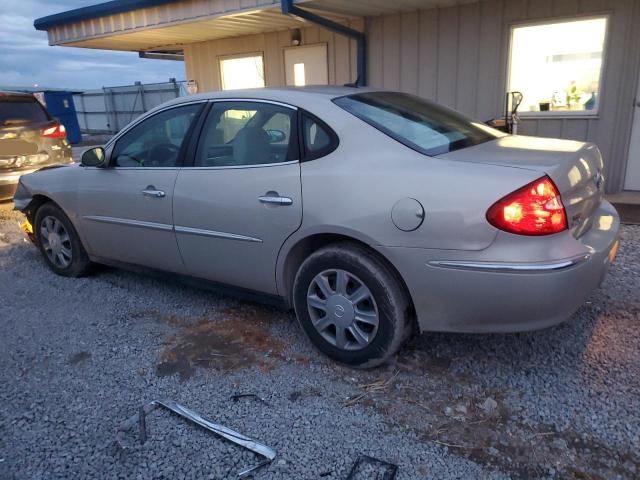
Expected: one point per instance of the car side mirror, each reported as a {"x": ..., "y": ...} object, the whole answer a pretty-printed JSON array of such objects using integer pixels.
[
  {"x": 276, "y": 136},
  {"x": 94, "y": 157}
]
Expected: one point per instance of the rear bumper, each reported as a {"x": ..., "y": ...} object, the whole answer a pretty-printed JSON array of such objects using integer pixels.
[
  {"x": 9, "y": 179},
  {"x": 9, "y": 182},
  {"x": 485, "y": 292}
]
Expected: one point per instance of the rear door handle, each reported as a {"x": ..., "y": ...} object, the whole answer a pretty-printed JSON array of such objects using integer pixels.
[
  {"x": 151, "y": 191},
  {"x": 274, "y": 199}
]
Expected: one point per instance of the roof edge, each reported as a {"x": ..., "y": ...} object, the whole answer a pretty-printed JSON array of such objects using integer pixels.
[{"x": 94, "y": 11}]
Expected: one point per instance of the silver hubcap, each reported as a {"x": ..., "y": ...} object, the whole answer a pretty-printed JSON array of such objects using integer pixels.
[
  {"x": 56, "y": 242},
  {"x": 342, "y": 309}
]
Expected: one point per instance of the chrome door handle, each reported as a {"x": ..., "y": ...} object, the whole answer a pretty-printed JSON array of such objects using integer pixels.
[
  {"x": 152, "y": 192},
  {"x": 275, "y": 200}
]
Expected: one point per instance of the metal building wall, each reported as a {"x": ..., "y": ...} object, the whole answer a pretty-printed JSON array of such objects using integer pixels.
[
  {"x": 458, "y": 56},
  {"x": 202, "y": 63}
]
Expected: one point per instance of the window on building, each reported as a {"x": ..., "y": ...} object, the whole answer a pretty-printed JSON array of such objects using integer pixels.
[
  {"x": 558, "y": 66},
  {"x": 242, "y": 72}
]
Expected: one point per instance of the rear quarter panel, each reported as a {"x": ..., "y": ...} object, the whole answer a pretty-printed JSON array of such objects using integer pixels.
[
  {"x": 355, "y": 188},
  {"x": 352, "y": 192}
]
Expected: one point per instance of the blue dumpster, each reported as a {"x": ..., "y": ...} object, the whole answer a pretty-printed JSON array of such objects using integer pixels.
[{"x": 60, "y": 105}]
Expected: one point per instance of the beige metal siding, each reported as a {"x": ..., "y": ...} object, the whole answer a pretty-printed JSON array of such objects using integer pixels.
[
  {"x": 152, "y": 17},
  {"x": 201, "y": 59},
  {"x": 458, "y": 56}
]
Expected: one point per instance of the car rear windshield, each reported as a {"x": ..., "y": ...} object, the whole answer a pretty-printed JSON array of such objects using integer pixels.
[
  {"x": 417, "y": 123},
  {"x": 20, "y": 110}
]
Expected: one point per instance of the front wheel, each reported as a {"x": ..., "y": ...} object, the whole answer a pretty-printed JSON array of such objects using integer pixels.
[
  {"x": 59, "y": 242},
  {"x": 350, "y": 305}
]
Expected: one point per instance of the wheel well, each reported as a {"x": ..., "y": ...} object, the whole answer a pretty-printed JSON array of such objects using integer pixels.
[
  {"x": 36, "y": 202},
  {"x": 308, "y": 245}
]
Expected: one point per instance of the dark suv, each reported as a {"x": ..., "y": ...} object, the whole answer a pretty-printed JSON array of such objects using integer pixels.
[{"x": 30, "y": 138}]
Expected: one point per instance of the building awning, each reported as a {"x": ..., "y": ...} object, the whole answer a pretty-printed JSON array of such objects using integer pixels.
[{"x": 167, "y": 25}]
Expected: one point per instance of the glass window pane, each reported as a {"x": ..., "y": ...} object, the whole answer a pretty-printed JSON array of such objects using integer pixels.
[
  {"x": 20, "y": 109},
  {"x": 557, "y": 66},
  {"x": 316, "y": 138},
  {"x": 422, "y": 125},
  {"x": 242, "y": 72},
  {"x": 245, "y": 133},
  {"x": 156, "y": 141}
]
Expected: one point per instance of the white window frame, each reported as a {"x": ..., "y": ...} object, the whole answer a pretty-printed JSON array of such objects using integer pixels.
[
  {"x": 221, "y": 58},
  {"x": 605, "y": 49}
]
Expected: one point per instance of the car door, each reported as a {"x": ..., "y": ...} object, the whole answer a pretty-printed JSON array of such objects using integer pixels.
[
  {"x": 241, "y": 198},
  {"x": 126, "y": 208}
]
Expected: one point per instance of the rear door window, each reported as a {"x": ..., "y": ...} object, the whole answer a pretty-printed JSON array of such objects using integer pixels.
[
  {"x": 318, "y": 139},
  {"x": 417, "y": 123},
  {"x": 247, "y": 133},
  {"x": 20, "y": 110}
]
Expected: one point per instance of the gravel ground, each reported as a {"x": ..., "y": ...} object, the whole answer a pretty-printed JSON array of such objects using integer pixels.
[{"x": 79, "y": 356}]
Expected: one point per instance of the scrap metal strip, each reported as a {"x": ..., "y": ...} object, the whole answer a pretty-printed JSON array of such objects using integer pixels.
[{"x": 221, "y": 430}]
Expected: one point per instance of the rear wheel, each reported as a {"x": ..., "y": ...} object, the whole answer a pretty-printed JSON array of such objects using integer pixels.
[
  {"x": 59, "y": 242},
  {"x": 350, "y": 305}
]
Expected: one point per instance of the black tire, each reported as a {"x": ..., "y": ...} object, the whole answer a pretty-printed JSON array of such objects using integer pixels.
[
  {"x": 78, "y": 262},
  {"x": 389, "y": 299}
]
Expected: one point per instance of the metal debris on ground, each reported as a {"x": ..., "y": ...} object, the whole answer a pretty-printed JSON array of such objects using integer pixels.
[
  {"x": 369, "y": 468},
  {"x": 231, "y": 435}
]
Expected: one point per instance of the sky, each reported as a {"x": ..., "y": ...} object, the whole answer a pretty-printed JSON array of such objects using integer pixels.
[{"x": 27, "y": 59}]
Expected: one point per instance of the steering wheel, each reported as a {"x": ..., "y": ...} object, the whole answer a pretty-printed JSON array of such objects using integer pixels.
[{"x": 163, "y": 155}]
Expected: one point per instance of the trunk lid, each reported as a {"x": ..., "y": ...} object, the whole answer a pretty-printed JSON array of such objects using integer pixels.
[{"x": 575, "y": 167}]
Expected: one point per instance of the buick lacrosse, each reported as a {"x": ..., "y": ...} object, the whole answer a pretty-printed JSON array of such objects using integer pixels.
[{"x": 373, "y": 214}]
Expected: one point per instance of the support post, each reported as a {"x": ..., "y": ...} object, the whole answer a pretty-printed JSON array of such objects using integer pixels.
[{"x": 288, "y": 8}]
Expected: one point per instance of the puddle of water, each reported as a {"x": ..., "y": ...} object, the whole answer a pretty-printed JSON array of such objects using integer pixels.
[{"x": 242, "y": 339}]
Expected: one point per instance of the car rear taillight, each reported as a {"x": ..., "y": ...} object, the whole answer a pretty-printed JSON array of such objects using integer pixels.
[
  {"x": 535, "y": 209},
  {"x": 55, "y": 131}
]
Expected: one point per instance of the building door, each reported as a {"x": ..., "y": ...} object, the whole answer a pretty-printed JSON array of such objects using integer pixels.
[
  {"x": 632, "y": 179},
  {"x": 306, "y": 65}
]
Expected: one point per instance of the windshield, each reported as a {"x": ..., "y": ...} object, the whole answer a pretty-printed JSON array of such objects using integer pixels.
[
  {"x": 417, "y": 123},
  {"x": 20, "y": 110}
]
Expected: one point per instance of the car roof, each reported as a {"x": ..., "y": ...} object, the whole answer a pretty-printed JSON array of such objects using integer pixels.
[
  {"x": 292, "y": 95},
  {"x": 8, "y": 93}
]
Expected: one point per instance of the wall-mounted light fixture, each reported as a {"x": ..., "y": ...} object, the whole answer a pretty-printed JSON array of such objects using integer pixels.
[{"x": 296, "y": 37}]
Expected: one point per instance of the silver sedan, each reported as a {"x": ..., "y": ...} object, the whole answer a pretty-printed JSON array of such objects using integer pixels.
[{"x": 374, "y": 214}]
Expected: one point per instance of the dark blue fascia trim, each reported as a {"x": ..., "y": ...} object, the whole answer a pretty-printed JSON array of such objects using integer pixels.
[
  {"x": 288, "y": 8},
  {"x": 94, "y": 11}
]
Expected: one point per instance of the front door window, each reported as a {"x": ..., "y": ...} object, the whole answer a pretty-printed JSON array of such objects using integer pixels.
[{"x": 155, "y": 142}]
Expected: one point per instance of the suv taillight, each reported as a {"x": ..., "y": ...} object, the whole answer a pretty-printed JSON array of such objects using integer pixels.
[
  {"x": 535, "y": 209},
  {"x": 55, "y": 131}
]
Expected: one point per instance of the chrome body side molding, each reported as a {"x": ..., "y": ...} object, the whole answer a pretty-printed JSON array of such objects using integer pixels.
[
  {"x": 510, "y": 267},
  {"x": 129, "y": 222},
  {"x": 168, "y": 228},
  {"x": 213, "y": 233}
]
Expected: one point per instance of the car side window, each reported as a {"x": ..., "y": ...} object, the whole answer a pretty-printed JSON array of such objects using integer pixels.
[
  {"x": 318, "y": 139},
  {"x": 246, "y": 133},
  {"x": 156, "y": 141}
]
